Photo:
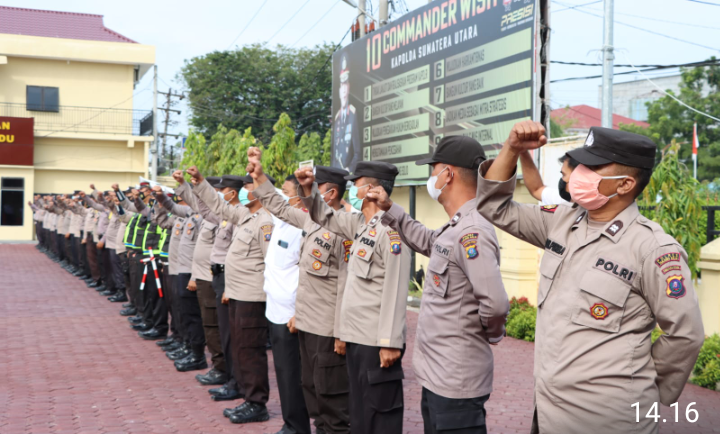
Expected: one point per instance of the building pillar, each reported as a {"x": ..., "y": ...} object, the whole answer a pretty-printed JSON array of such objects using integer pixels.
[{"x": 708, "y": 290}]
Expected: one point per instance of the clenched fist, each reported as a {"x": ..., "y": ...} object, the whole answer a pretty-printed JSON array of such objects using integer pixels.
[
  {"x": 116, "y": 187},
  {"x": 178, "y": 176},
  {"x": 526, "y": 135},
  {"x": 380, "y": 197},
  {"x": 195, "y": 173}
]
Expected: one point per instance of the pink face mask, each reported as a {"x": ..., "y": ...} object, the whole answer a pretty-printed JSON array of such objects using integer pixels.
[{"x": 583, "y": 187}]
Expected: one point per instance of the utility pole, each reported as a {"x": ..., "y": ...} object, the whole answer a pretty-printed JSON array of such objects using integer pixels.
[
  {"x": 361, "y": 17},
  {"x": 167, "y": 109},
  {"x": 608, "y": 57},
  {"x": 383, "y": 14},
  {"x": 154, "y": 150}
]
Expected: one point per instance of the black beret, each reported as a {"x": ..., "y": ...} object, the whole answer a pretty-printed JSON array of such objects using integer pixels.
[
  {"x": 232, "y": 181},
  {"x": 332, "y": 175},
  {"x": 213, "y": 180},
  {"x": 460, "y": 151}
]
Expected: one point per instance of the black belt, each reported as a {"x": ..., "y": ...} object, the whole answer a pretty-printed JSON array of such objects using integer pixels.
[{"x": 217, "y": 269}]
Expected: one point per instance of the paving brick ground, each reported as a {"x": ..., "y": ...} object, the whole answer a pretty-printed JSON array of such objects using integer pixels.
[{"x": 70, "y": 364}]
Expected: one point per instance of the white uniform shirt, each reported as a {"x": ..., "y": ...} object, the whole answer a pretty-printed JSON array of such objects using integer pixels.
[
  {"x": 551, "y": 196},
  {"x": 282, "y": 272}
]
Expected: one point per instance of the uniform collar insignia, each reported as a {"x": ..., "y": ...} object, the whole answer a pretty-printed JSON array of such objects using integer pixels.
[
  {"x": 455, "y": 219},
  {"x": 373, "y": 221}
]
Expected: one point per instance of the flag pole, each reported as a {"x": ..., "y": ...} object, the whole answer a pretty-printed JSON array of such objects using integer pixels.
[{"x": 694, "y": 150}]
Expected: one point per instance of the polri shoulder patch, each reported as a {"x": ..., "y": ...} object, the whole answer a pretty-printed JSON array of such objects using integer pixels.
[
  {"x": 549, "y": 208},
  {"x": 670, "y": 268},
  {"x": 395, "y": 242},
  {"x": 675, "y": 286},
  {"x": 348, "y": 245},
  {"x": 469, "y": 243},
  {"x": 667, "y": 257},
  {"x": 267, "y": 232}
]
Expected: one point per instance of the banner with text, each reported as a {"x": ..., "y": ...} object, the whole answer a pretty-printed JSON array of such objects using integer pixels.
[{"x": 454, "y": 67}]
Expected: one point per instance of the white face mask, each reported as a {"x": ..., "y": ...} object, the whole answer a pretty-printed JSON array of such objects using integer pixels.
[{"x": 432, "y": 190}]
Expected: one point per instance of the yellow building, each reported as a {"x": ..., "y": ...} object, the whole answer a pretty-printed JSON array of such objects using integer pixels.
[{"x": 76, "y": 79}]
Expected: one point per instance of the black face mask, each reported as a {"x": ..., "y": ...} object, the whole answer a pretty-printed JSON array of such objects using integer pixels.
[
  {"x": 562, "y": 186},
  {"x": 142, "y": 196}
]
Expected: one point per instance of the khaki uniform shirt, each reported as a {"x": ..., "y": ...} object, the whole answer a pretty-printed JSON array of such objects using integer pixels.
[
  {"x": 601, "y": 294},
  {"x": 223, "y": 238},
  {"x": 76, "y": 221},
  {"x": 375, "y": 298},
  {"x": 61, "y": 226},
  {"x": 111, "y": 233},
  {"x": 464, "y": 303},
  {"x": 323, "y": 266},
  {"x": 245, "y": 262},
  {"x": 188, "y": 236},
  {"x": 177, "y": 228},
  {"x": 205, "y": 238}
]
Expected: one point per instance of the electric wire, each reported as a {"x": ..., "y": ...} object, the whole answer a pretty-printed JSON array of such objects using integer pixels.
[{"x": 247, "y": 25}]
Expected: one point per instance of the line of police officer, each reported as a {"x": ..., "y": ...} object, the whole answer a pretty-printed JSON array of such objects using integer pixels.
[{"x": 608, "y": 276}]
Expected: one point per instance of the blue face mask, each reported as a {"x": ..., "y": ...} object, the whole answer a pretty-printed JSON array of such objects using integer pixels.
[
  {"x": 352, "y": 196},
  {"x": 243, "y": 197},
  {"x": 222, "y": 196}
]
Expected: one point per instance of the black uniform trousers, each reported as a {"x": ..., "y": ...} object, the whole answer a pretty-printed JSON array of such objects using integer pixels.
[
  {"x": 106, "y": 268},
  {"x": 92, "y": 256},
  {"x": 453, "y": 416},
  {"x": 68, "y": 248},
  {"x": 176, "y": 307},
  {"x": 169, "y": 293},
  {"x": 154, "y": 309},
  {"x": 60, "y": 246},
  {"x": 70, "y": 242},
  {"x": 116, "y": 270},
  {"x": 249, "y": 335},
  {"x": 190, "y": 314},
  {"x": 82, "y": 255},
  {"x": 134, "y": 288},
  {"x": 208, "y": 312},
  {"x": 376, "y": 394},
  {"x": 286, "y": 357},
  {"x": 125, "y": 266},
  {"x": 325, "y": 383},
  {"x": 223, "y": 316}
]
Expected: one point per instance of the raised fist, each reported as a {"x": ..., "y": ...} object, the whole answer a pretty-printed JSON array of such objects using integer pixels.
[
  {"x": 92, "y": 186},
  {"x": 254, "y": 154},
  {"x": 380, "y": 197},
  {"x": 116, "y": 187},
  {"x": 178, "y": 176},
  {"x": 527, "y": 135},
  {"x": 195, "y": 173},
  {"x": 157, "y": 189},
  {"x": 305, "y": 176}
]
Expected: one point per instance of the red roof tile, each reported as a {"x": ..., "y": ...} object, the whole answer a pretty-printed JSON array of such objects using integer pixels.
[
  {"x": 583, "y": 117},
  {"x": 54, "y": 24}
]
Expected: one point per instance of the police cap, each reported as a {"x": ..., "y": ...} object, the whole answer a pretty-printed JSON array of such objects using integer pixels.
[
  {"x": 604, "y": 146},
  {"x": 213, "y": 180},
  {"x": 460, "y": 151},
  {"x": 232, "y": 181},
  {"x": 332, "y": 175},
  {"x": 247, "y": 179},
  {"x": 374, "y": 169}
]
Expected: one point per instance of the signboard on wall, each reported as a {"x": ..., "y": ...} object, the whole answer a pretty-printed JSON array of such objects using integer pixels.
[
  {"x": 453, "y": 67},
  {"x": 17, "y": 139}
]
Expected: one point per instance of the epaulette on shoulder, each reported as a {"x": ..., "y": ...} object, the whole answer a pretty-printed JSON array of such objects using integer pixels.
[
  {"x": 662, "y": 237},
  {"x": 352, "y": 108}
]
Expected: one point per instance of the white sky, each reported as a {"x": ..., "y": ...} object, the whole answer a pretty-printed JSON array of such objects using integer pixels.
[{"x": 182, "y": 29}]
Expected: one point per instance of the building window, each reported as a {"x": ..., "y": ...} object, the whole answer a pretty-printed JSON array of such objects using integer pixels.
[
  {"x": 11, "y": 201},
  {"x": 43, "y": 99}
]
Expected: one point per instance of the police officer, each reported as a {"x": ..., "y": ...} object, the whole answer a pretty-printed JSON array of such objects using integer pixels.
[
  {"x": 372, "y": 315},
  {"x": 323, "y": 270},
  {"x": 244, "y": 278},
  {"x": 464, "y": 302},
  {"x": 607, "y": 277},
  {"x": 346, "y": 133}
]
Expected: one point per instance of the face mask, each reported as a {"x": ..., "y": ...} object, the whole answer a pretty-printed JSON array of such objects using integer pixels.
[
  {"x": 243, "y": 197},
  {"x": 142, "y": 196},
  {"x": 562, "y": 187},
  {"x": 432, "y": 190},
  {"x": 583, "y": 188},
  {"x": 326, "y": 193},
  {"x": 222, "y": 196},
  {"x": 352, "y": 196}
]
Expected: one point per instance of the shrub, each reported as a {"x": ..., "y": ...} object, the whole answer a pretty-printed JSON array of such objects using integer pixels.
[
  {"x": 707, "y": 367},
  {"x": 521, "y": 319}
]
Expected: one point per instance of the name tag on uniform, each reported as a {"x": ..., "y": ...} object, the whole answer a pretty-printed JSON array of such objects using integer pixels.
[{"x": 283, "y": 244}]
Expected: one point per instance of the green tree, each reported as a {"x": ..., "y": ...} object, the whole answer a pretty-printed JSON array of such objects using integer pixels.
[
  {"x": 233, "y": 158},
  {"x": 679, "y": 210},
  {"x": 699, "y": 88},
  {"x": 279, "y": 159},
  {"x": 326, "y": 146},
  {"x": 195, "y": 152},
  {"x": 251, "y": 86},
  {"x": 310, "y": 148}
]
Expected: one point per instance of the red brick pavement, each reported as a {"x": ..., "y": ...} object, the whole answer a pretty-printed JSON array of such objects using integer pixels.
[{"x": 70, "y": 364}]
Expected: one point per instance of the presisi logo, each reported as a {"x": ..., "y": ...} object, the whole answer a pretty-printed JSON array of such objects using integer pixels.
[{"x": 516, "y": 15}]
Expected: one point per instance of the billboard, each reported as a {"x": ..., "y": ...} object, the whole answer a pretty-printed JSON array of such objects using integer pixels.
[
  {"x": 17, "y": 140},
  {"x": 453, "y": 67}
]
